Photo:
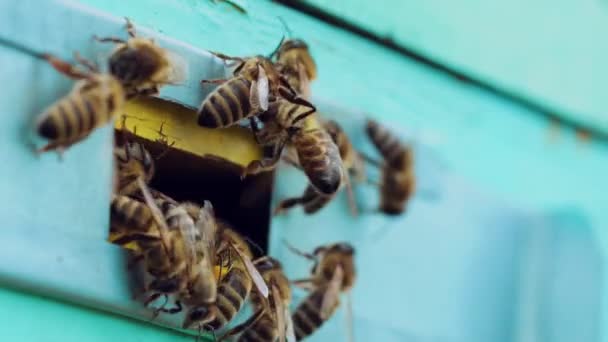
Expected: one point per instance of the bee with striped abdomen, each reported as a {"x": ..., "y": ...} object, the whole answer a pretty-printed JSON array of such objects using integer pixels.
[
  {"x": 318, "y": 155},
  {"x": 233, "y": 288},
  {"x": 132, "y": 221},
  {"x": 282, "y": 122},
  {"x": 93, "y": 102},
  {"x": 256, "y": 83},
  {"x": 313, "y": 200},
  {"x": 141, "y": 65},
  {"x": 332, "y": 274},
  {"x": 398, "y": 181},
  {"x": 275, "y": 322}
]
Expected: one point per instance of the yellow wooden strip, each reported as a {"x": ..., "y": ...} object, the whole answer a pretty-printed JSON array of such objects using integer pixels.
[{"x": 146, "y": 115}]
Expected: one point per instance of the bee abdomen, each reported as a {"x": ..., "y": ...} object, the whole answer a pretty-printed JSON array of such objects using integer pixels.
[
  {"x": 69, "y": 118},
  {"x": 395, "y": 192},
  {"x": 320, "y": 159},
  {"x": 226, "y": 105},
  {"x": 387, "y": 144},
  {"x": 307, "y": 317},
  {"x": 231, "y": 295},
  {"x": 263, "y": 330},
  {"x": 129, "y": 212}
]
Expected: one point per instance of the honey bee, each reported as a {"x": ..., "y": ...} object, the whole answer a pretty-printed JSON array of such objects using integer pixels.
[
  {"x": 332, "y": 274},
  {"x": 398, "y": 181},
  {"x": 318, "y": 155},
  {"x": 133, "y": 161},
  {"x": 141, "y": 65},
  {"x": 233, "y": 288},
  {"x": 271, "y": 320},
  {"x": 93, "y": 102},
  {"x": 174, "y": 247},
  {"x": 256, "y": 83},
  {"x": 295, "y": 62},
  {"x": 312, "y": 200},
  {"x": 281, "y": 122},
  {"x": 201, "y": 293}
]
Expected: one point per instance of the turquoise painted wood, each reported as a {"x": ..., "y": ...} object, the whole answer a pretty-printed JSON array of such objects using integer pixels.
[
  {"x": 467, "y": 260},
  {"x": 547, "y": 51}
]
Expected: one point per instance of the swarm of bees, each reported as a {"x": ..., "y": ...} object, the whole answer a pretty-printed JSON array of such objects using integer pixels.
[{"x": 188, "y": 254}]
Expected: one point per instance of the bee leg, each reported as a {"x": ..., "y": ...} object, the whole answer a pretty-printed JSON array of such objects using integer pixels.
[
  {"x": 214, "y": 81},
  {"x": 178, "y": 308},
  {"x": 130, "y": 28},
  {"x": 272, "y": 155},
  {"x": 88, "y": 64},
  {"x": 226, "y": 57},
  {"x": 114, "y": 40},
  {"x": 200, "y": 333},
  {"x": 152, "y": 298},
  {"x": 299, "y": 252},
  {"x": 64, "y": 67},
  {"x": 54, "y": 146},
  {"x": 243, "y": 326},
  {"x": 287, "y": 204}
]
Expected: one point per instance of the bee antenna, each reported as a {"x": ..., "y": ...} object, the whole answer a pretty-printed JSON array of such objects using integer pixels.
[
  {"x": 285, "y": 26},
  {"x": 274, "y": 52}
]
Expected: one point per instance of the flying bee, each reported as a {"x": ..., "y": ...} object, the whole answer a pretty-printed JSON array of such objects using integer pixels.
[
  {"x": 274, "y": 323},
  {"x": 398, "y": 181},
  {"x": 141, "y": 65},
  {"x": 296, "y": 64},
  {"x": 332, "y": 274},
  {"x": 312, "y": 200},
  {"x": 255, "y": 84},
  {"x": 233, "y": 288},
  {"x": 132, "y": 161},
  {"x": 93, "y": 102}
]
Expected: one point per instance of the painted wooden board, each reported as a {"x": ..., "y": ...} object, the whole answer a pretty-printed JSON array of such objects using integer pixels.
[
  {"x": 546, "y": 51},
  {"x": 482, "y": 142}
]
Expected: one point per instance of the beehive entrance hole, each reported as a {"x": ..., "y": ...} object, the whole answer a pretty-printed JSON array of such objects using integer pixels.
[{"x": 184, "y": 176}]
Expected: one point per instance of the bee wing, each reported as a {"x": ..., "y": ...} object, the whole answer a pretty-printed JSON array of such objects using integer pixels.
[
  {"x": 255, "y": 275},
  {"x": 289, "y": 331},
  {"x": 279, "y": 311},
  {"x": 207, "y": 226},
  {"x": 332, "y": 294},
  {"x": 304, "y": 82},
  {"x": 262, "y": 88},
  {"x": 190, "y": 234},
  {"x": 163, "y": 229}
]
